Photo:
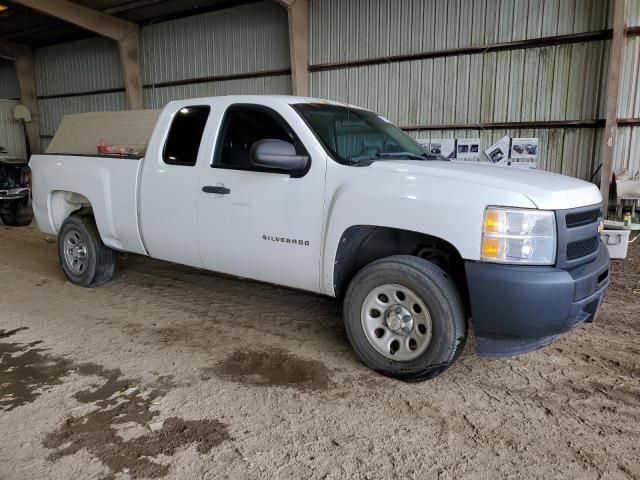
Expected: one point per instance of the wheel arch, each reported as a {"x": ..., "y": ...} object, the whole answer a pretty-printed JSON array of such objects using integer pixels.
[
  {"x": 360, "y": 245},
  {"x": 63, "y": 203}
]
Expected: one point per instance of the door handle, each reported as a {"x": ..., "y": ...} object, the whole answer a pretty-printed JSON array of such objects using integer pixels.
[{"x": 216, "y": 189}]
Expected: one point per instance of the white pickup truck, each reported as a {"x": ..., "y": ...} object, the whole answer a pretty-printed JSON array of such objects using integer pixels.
[{"x": 334, "y": 199}]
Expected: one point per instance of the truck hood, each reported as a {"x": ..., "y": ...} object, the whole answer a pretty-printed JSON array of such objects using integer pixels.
[{"x": 548, "y": 191}]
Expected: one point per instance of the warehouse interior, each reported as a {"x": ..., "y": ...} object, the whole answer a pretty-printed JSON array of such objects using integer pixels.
[
  {"x": 175, "y": 372},
  {"x": 442, "y": 69}
]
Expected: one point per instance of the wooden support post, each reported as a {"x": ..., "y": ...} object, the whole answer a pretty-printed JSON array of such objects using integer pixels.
[
  {"x": 129, "y": 47},
  {"x": 299, "y": 31},
  {"x": 28, "y": 97},
  {"x": 23, "y": 59},
  {"x": 613, "y": 87},
  {"x": 124, "y": 32}
]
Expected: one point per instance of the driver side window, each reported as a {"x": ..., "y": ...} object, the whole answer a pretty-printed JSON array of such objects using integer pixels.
[{"x": 243, "y": 126}]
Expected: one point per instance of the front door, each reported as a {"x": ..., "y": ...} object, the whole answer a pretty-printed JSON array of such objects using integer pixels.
[{"x": 255, "y": 222}]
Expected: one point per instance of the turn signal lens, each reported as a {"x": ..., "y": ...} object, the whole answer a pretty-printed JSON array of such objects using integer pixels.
[
  {"x": 492, "y": 221},
  {"x": 490, "y": 248},
  {"x": 519, "y": 235}
]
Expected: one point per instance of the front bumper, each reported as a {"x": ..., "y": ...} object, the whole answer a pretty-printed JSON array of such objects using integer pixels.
[{"x": 517, "y": 309}]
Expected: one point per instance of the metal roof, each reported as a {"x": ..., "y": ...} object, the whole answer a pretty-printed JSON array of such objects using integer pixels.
[{"x": 22, "y": 25}]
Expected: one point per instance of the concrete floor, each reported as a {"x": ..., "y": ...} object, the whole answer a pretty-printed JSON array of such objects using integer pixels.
[{"x": 169, "y": 372}]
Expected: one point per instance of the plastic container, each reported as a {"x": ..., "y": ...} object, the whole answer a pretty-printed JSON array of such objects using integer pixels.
[{"x": 617, "y": 242}]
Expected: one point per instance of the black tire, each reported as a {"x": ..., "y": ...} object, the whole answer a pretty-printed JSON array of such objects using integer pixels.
[
  {"x": 100, "y": 259},
  {"x": 438, "y": 293},
  {"x": 18, "y": 213}
]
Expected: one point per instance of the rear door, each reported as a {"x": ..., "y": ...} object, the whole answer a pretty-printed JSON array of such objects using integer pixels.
[
  {"x": 255, "y": 222},
  {"x": 169, "y": 186}
]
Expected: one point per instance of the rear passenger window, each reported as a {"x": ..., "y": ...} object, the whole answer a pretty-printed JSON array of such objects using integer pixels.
[{"x": 185, "y": 134}]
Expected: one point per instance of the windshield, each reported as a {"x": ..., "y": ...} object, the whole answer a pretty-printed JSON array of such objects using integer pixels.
[{"x": 358, "y": 137}]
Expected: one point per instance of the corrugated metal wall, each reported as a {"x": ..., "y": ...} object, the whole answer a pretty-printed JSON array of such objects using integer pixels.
[
  {"x": 244, "y": 40},
  {"x": 82, "y": 66},
  {"x": 53, "y": 109},
  {"x": 358, "y": 29},
  {"x": 158, "y": 97},
  {"x": 633, "y": 13},
  {"x": 11, "y": 131},
  {"x": 551, "y": 83},
  {"x": 248, "y": 39},
  {"x": 8, "y": 80},
  {"x": 76, "y": 67},
  {"x": 627, "y": 153}
]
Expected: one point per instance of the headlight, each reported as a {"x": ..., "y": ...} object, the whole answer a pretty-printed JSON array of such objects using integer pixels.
[{"x": 513, "y": 235}]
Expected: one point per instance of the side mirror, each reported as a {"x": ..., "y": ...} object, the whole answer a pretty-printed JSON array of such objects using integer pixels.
[{"x": 277, "y": 154}]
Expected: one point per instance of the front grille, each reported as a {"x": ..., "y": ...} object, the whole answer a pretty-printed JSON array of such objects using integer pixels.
[
  {"x": 582, "y": 248},
  {"x": 582, "y": 218}
]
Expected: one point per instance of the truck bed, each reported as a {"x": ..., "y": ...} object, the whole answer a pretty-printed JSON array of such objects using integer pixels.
[{"x": 109, "y": 185}]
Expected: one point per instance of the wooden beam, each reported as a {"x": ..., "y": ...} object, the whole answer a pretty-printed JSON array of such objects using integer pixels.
[
  {"x": 23, "y": 60},
  {"x": 299, "y": 31},
  {"x": 84, "y": 17},
  {"x": 613, "y": 87},
  {"x": 126, "y": 33}
]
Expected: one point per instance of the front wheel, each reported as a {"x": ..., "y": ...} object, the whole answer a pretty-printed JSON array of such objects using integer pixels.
[
  {"x": 404, "y": 318},
  {"x": 86, "y": 261}
]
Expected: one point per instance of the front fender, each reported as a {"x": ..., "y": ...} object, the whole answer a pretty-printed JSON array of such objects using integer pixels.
[{"x": 449, "y": 209}]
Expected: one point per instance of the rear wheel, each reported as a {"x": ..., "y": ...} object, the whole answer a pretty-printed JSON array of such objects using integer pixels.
[
  {"x": 17, "y": 213},
  {"x": 86, "y": 261},
  {"x": 405, "y": 318}
]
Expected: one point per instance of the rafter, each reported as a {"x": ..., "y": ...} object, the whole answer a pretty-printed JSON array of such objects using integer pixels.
[{"x": 84, "y": 17}]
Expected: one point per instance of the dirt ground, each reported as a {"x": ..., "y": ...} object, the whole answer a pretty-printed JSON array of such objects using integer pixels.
[{"x": 170, "y": 372}]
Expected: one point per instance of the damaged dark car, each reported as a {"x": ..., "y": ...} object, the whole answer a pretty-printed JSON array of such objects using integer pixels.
[{"x": 15, "y": 191}]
